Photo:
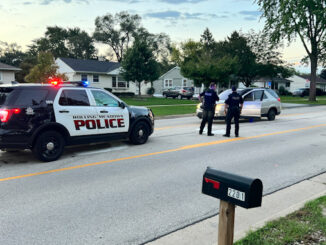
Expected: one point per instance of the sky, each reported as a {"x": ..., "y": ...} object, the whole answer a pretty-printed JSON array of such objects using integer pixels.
[{"x": 25, "y": 20}]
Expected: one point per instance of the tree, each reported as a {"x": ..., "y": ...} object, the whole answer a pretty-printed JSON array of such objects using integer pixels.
[
  {"x": 204, "y": 64},
  {"x": 44, "y": 69},
  {"x": 139, "y": 64},
  {"x": 71, "y": 43},
  {"x": 287, "y": 19},
  {"x": 11, "y": 54},
  {"x": 237, "y": 45},
  {"x": 207, "y": 39},
  {"x": 117, "y": 31}
]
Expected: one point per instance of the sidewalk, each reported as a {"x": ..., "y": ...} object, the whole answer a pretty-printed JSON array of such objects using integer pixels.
[{"x": 275, "y": 205}]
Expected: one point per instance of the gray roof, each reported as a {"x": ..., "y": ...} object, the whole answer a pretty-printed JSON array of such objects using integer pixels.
[
  {"x": 8, "y": 67},
  {"x": 318, "y": 79},
  {"x": 94, "y": 66}
]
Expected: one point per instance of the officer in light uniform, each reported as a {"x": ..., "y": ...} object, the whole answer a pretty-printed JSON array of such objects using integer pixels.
[
  {"x": 233, "y": 107},
  {"x": 210, "y": 98}
]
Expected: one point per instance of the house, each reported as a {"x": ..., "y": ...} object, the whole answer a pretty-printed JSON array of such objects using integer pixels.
[
  {"x": 100, "y": 74},
  {"x": 274, "y": 83},
  {"x": 7, "y": 73},
  {"x": 170, "y": 79},
  {"x": 304, "y": 82}
]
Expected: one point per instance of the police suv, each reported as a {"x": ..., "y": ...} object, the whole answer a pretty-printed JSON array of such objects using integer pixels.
[{"x": 46, "y": 118}]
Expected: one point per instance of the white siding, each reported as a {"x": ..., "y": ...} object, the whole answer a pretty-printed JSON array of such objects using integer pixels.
[
  {"x": 7, "y": 76},
  {"x": 297, "y": 82}
]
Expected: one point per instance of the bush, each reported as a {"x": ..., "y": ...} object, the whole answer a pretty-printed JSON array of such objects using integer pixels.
[
  {"x": 283, "y": 91},
  {"x": 150, "y": 91},
  {"x": 108, "y": 89}
]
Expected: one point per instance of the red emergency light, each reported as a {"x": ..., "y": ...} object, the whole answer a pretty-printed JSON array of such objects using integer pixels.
[{"x": 55, "y": 81}]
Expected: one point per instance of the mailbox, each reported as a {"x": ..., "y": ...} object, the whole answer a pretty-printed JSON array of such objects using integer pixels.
[{"x": 235, "y": 189}]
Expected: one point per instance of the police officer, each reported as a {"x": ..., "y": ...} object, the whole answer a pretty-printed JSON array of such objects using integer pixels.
[
  {"x": 233, "y": 107},
  {"x": 210, "y": 98}
]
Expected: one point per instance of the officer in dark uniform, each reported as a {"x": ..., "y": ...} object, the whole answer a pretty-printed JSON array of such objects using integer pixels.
[
  {"x": 233, "y": 107},
  {"x": 210, "y": 98}
]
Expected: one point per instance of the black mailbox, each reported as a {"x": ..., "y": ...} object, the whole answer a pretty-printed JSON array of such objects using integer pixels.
[{"x": 235, "y": 189}]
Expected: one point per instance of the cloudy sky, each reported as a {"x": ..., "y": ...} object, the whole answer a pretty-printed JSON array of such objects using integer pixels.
[{"x": 25, "y": 20}]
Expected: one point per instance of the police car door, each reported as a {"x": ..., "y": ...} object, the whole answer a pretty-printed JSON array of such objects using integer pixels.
[
  {"x": 72, "y": 109},
  {"x": 112, "y": 117},
  {"x": 252, "y": 104}
]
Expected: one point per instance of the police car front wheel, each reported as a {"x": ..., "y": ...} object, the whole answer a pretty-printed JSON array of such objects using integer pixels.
[
  {"x": 139, "y": 134},
  {"x": 49, "y": 146}
]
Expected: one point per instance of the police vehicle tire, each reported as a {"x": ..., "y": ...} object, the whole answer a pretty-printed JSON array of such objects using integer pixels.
[
  {"x": 49, "y": 146},
  {"x": 271, "y": 115},
  {"x": 139, "y": 134}
]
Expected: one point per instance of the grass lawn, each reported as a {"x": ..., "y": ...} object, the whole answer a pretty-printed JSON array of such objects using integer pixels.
[
  {"x": 173, "y": 110},
  {"x": 305, "y": 226},
  {"x": 321, "y": 100},
  {"x": 147, "y": 101}
]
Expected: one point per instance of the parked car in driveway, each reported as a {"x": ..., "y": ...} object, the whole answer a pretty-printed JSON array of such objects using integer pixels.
[
  {"x": 305, "y": 92},
  {"x": 258, "y": 102},
  {"x": 179, "y": 92}
]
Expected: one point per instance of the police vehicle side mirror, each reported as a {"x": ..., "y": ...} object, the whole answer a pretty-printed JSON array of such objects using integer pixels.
[{"x": 122, "y": 105}]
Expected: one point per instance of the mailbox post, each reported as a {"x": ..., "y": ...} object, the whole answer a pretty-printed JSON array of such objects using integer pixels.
[{"x": 232, "y": 190}]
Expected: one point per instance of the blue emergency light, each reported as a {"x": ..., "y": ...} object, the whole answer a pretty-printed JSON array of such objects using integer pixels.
[{"x": 85, "y": 83}]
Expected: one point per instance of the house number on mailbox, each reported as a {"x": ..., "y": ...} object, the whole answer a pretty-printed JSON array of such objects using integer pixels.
[{"x": 239, "y": 195}]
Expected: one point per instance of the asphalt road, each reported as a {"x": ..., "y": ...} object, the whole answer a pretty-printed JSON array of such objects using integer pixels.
[{"x": 124, "y": 194}]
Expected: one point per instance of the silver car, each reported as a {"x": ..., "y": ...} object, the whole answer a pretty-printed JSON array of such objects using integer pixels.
[{"x": 257, "y": 103}]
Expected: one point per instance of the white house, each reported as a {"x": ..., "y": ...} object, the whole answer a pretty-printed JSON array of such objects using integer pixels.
[
  {"x": 7, "y": 73},
  {"x": 100, "y": 74},
  {"x": 303, "y": 81},
  {"x": 172, "y": 78}
]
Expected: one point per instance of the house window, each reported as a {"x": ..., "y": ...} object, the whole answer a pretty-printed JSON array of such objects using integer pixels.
[
  {"x": 287, "y": 84},
  {"x": 168, "y": 83},
  {"x": 84, "y": 77},
  {"x": 122, "y": 83},
  {"x": 96, "y": 78},
  {"x": 114, "y": 82},
  {"x": 184, "y": 83}
]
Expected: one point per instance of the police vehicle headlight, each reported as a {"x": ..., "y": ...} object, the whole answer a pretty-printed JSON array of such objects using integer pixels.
[{"x": 150, "y": 113}]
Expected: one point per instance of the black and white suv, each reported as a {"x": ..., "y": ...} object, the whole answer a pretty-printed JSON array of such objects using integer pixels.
[{"x": 46, "y": 118}]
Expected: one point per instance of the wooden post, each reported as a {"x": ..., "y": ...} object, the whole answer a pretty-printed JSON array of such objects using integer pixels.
[{"x": 226, "y": 223}]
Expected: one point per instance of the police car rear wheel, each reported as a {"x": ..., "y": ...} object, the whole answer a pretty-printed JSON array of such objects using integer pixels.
[
  {"x": 49, "y": 146},
  {"x": 139, "y": 134}
]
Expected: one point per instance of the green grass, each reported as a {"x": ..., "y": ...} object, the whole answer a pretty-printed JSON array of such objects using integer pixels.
[
  {"x": 321, "y": 100},
  {"x": 173, "y": 110},
  {"x": 304, "y": 225},
  {"x": 168, "y": 106},
  {"x": 147, "y": 101}
]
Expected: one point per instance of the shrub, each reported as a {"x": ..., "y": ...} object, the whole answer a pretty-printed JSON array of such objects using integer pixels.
[
  {"x": 283, "y": 91},
  {"x": 150, "y": 91}
]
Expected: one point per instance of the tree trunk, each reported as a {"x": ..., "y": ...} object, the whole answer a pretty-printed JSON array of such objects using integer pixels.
[
  {"x": 313, "y": 65},
  {"x": 139, "y": 91}
]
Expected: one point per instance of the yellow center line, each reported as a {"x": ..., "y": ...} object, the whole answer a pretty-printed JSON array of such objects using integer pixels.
[{"x": 187, "y": 147}]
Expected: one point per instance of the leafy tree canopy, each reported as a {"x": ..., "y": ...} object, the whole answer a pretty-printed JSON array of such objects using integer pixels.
[
  {"x": 306, "y": 19},
  {"x": 44, "y": 69},
  {"x": 139, "y": 63},
  {"x": 71, "y": 43}
]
